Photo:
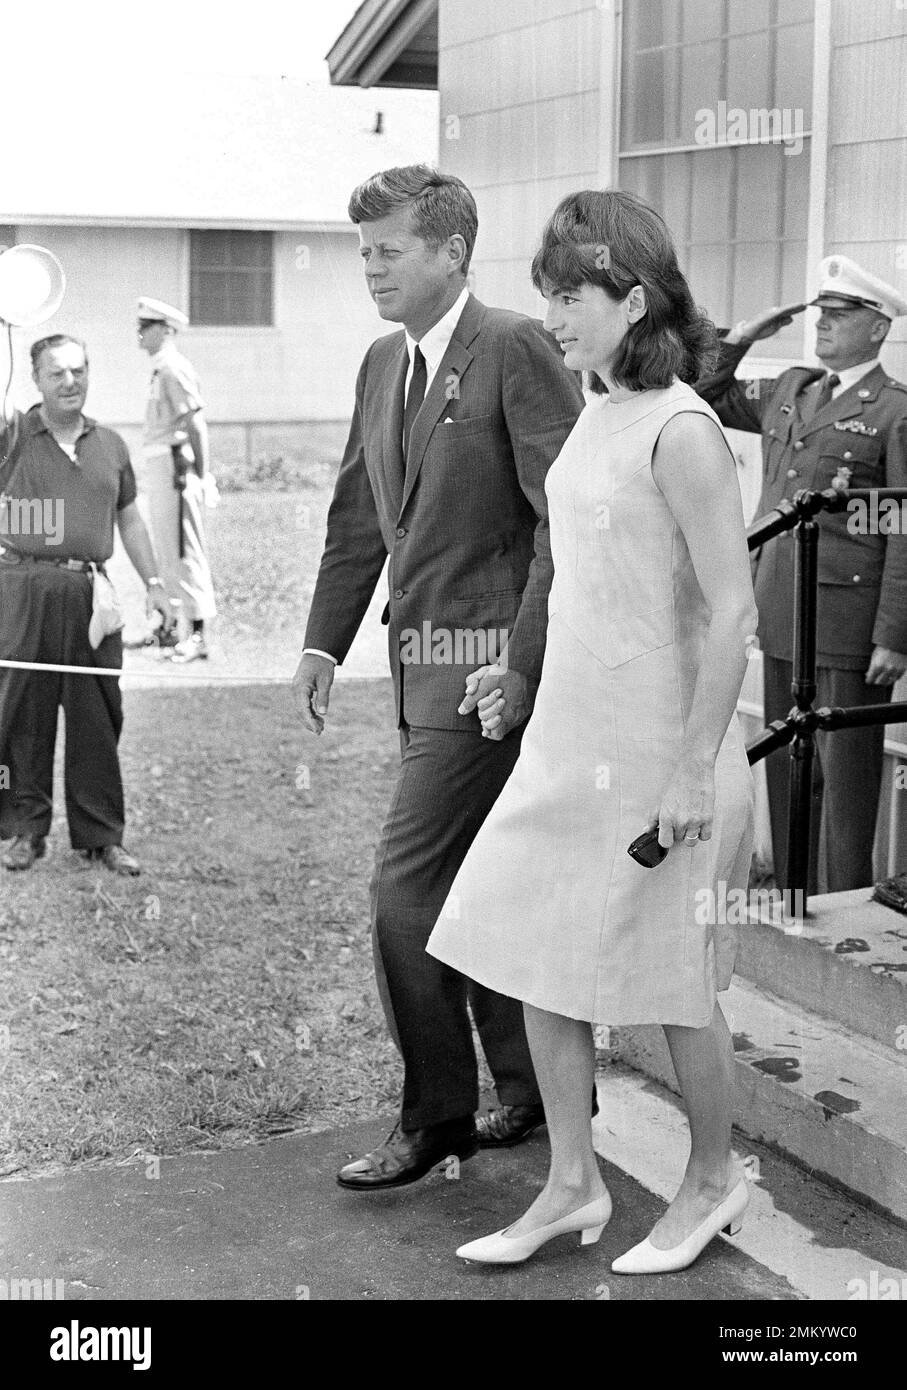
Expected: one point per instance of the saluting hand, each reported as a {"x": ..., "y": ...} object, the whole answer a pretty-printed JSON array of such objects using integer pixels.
[{"x": 766, "y": 324}]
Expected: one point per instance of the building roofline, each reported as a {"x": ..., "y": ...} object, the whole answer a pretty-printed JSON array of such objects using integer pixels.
[
  {"x": 376, "y": 39},
  {"x": 16, "y": 219}
]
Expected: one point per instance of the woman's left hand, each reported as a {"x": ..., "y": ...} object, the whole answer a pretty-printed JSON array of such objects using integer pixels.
[{"x": 688, "y": 805}]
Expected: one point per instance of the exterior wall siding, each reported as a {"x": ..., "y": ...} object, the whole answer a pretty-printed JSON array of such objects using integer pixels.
[
  {"x": 522, "y": 119},
  {"x": 302, "y": 368},
  {"x": 520, "y": 114},
  {"x": 867, "y": 149}
]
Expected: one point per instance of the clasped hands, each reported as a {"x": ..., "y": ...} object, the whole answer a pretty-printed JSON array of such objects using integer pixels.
[{"x": 501, "y": 697}]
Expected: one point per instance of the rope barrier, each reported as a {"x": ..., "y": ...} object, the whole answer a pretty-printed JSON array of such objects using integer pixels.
[{"x": 144, "y": 675}]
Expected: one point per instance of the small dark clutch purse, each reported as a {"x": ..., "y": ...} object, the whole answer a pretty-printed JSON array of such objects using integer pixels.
[{"x": 646, "y": 850}]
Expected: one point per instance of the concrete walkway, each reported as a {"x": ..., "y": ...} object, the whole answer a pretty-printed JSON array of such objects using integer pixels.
[{"x": 269, "y": 1222}]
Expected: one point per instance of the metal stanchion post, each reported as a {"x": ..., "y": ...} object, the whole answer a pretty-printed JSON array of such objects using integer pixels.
[
  {"x": 803, "y": 748},
  {"x": 799, "y": 728}
]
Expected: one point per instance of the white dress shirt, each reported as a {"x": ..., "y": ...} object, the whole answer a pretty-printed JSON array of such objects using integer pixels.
[
  {"x": 434, "y": 344},
  {"x": 849, "y": 376}
]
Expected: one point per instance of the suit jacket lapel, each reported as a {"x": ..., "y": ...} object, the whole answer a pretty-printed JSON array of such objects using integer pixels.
[
  {"x": 803, "y": 402},
  {"x": 392, "y": 438},
  {"x": 456, "y": 360},
  {"x": 848, "y": 404}
]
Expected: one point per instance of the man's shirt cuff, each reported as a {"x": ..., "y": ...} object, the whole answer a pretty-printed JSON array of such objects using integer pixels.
[{"x": 314, "y": 651}]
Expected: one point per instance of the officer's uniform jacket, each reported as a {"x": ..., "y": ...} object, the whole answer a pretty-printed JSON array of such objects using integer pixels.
[{"x": 862, "y": 599}]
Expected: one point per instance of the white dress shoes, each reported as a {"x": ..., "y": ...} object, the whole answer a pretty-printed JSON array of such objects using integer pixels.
[
  {"x": 646, "y": 1258},
  {"x": 504, "y": 1249}
]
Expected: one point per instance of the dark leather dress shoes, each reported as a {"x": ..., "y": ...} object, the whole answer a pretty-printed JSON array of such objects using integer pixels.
[
  {"x": 407, "y": 1155},
  {"x": 511, "y": 1124},
  {"x": 23, "y": 852}
]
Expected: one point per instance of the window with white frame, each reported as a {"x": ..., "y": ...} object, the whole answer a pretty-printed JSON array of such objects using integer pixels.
[{"x": 715, "y": 116}]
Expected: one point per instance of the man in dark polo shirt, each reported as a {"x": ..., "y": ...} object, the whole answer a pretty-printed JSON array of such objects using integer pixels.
[{"x": 64, "y": 480}]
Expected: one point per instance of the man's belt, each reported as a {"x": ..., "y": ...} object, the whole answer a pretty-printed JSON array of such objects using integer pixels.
[{"x": 8, "y": 556}]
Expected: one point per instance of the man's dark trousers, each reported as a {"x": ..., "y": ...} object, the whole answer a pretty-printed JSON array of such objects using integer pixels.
[
  {"x": 847, "y": 777},
  {"x": 44, "y": 617},
  {"x": 448, "y": 782}
]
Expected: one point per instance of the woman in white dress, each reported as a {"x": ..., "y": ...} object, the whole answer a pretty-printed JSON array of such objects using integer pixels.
[{"x": 634, "y": 725}]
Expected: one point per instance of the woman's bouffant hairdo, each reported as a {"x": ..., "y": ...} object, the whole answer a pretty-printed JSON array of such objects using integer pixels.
[{"x": 615, "y": 240}]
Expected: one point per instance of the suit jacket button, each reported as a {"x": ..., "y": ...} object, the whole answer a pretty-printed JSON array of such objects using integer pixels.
[
  {"x": 848, "y": 454},
  {"x": 799, "y": 444},
  {"x": 856, "y": 579},
  {"x": 398, "y": 593},
  {"x": 401, "y": 530},
  {"x": 771, "y": 431},
  {"x": 792, "y": 472}
]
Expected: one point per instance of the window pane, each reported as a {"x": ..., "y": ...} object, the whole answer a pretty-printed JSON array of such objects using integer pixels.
[
  {"x": 643, "y": 177},
  {"x": 651, "y": 62},
  {"x": 757, "y": 279},
  {"x": 231, "y": 277},
  {"x": 703, "y": 82},
  {"x": 710, "y": 210},
  {"x": 706, "y": 268},
  {"x": 702, "y": 19},
  {"x": 794, "y": 70},
  {"x": 760, "y": 190},
  {"x": 748, "y": 71},
  {"x": 796, "y": 194},
  {"x": 747, "y": 16},
  {"x": 738, "y": 215}
]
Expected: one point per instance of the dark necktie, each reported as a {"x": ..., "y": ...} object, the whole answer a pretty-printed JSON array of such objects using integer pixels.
[
  {"x": 414, "y": 398},
  {"x": 823, "y": 395}
]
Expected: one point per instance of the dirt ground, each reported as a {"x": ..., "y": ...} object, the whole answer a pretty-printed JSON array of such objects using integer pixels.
[
  {"x": 227, "y": 993},
  {"x": 264, "y": 548}
]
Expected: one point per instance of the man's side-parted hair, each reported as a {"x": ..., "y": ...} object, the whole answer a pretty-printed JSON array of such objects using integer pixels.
[
  {"x": 442, "y": 205},
  {"x": 613, "y": 239},
  {"x": 54, "y": 341}
]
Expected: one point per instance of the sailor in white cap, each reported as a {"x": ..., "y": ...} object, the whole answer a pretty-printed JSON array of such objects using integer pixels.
[
  {"x": 174, "y": 477},
  {"x": 156, "y": 311},
  {"x": 847, "y": 420}
]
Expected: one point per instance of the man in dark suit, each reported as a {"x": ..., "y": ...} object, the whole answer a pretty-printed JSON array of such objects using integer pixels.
[
  {"x": 847, "y": 422},
  {"x": 457, "y": 420}
]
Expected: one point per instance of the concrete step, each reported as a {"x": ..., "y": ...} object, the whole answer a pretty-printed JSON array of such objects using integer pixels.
[
  {"x": 807, "y": 1088},
  {"x": 846, "y": 961}
]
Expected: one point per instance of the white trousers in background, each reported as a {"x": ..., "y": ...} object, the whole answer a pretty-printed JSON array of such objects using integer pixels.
[{"x": 187, "y": 578}]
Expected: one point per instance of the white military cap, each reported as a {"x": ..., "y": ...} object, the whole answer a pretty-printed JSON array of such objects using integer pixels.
[
  {"x": 840, "y": 278},
  {"x": 156, "y": 311}
]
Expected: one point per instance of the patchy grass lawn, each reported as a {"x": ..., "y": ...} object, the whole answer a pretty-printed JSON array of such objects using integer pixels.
[
  {"x": 264, "y": 547},
  {"x": 226, "y": 994}
]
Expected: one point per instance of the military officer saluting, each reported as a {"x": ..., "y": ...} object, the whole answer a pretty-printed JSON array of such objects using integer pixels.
[
  {"x": 846, "y": 419},
  {"x": 173, "y": 477}
]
